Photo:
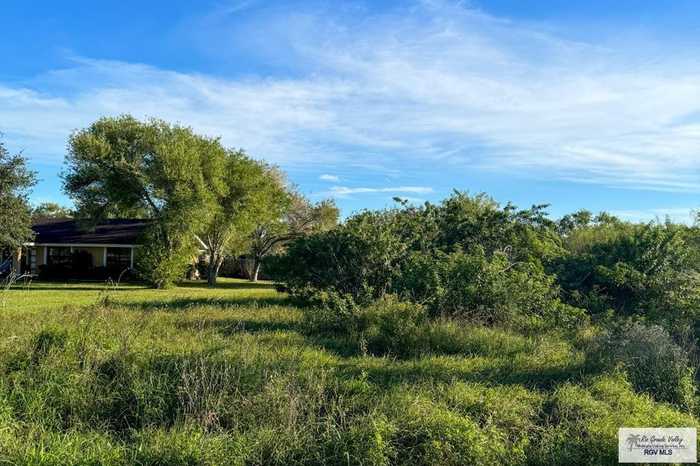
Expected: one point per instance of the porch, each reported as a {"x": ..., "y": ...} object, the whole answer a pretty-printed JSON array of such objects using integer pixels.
[{"x": 58, "y": 260}]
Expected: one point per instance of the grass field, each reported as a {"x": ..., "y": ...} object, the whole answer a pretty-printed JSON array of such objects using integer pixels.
[
  {"x": 94, "y": 375},
  {"x": 40, "y": 296}
]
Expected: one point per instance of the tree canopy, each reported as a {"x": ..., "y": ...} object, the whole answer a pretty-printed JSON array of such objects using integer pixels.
[
  {"x": 15, "y": 181},
  {"x": 253, "y": 193},
  {"x": 193, "y": 189},
  {"x": 122, "y": 167},
  {"x": 291, "y": 218}
]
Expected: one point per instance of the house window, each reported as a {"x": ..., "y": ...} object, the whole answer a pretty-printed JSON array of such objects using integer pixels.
[
  {"x": 59, "y": 256},
  {"x": 118, "y": 258}
]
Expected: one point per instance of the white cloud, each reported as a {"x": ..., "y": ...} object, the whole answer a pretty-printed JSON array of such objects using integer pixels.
[
  {"x": 344, "y": 191},
  {"x": 438, "y": 86},
  {"x": 326, "y": 177}
]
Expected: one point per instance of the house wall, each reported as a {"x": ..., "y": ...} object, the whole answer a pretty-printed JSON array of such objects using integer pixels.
[
  {"x": 97, "y": 253},
  {"x": 35, "y": 257},
  {"x": 39, "y": 255}
]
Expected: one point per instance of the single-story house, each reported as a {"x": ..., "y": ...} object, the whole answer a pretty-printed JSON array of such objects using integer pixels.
[{"x": 66, "y": 247}]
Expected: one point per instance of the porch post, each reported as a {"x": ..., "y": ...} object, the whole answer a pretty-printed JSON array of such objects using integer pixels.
[
  {"x": 131, "y": 258},
  {"x": 104, "y": 257}
]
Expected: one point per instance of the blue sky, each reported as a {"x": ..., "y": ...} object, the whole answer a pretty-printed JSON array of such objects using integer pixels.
[{"x": 578, "y": 104}]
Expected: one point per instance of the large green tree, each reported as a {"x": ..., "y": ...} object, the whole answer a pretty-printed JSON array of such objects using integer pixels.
[
  {"x": 121, "y": 166},
  {"x": 15, "y": 214},
  {"x": 252, "y": 194}
]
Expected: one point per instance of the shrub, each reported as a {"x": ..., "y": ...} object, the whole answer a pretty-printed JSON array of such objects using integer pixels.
[
  {"x": 160, "y": 266},
  {"x": 632, "y": 269},
  {"x": 489, "y": 290},
  {"x": 466, "y": 256},
  {"x": 422, "y": 279},
  {"x": 495, "y": 290},
  {"x": 464, "y": 222},
  {"x": 385, "y": 326},
  {"x": 395, "y": 327},
  {"x": 652, "y": 361},
  {"x": 360, "y": 258},
  {"x": 333, "y": 312},
  {"x": 468, "y": 285}
]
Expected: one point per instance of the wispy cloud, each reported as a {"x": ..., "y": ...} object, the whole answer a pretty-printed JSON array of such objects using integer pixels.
[
  {"x": 438, "y": 85},
  {"x": 344, "y": 191},
  {"x": 333, "y": 178}
]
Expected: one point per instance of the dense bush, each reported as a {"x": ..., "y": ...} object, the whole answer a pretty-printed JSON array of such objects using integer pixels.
[
  {"x": 334, "y": 313},
  {"x": 496, "y": 290},
  {"x": 652, "y": 361},
  {"x": 360, "y": 259},
  {"x": 465, "y": 257},
  {"x": 162, "y": 266},
  {"x": 630, "y": 269},
  {"x": 387, "y": 326},
  {"x": 465, "y": 222}
]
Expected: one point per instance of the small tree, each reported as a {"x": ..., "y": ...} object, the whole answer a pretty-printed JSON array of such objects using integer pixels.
[
  {"x": 289, "y": 221},
  {"x": 253, "y": 192},
  {"x": 15, "y": 217}
]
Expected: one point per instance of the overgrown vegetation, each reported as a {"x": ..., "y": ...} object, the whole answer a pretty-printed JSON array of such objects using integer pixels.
[
  {"x": 463, "y": 332},
  {"x": 236, "y": 375},
  {"x": 389, "y": 278}
]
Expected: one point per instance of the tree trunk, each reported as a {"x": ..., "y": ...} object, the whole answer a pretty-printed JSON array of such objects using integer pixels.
[
  {"x": 256, "y": 270},
  {"x": 211, "y": 278},
  {"x": 212, "y": 270},
  {"x": 17, "y": 261}
]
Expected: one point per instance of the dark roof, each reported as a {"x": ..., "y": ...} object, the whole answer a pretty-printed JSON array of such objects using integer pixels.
[{"x": 66, "y": 231}]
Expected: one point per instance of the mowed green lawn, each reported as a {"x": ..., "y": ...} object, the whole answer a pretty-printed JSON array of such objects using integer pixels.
[
  {"x": 42, "y": 296},
  {"x": 192, "y": 375}
]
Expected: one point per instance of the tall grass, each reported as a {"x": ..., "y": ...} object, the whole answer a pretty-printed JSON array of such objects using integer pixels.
[{"x": 239, "y": 380}]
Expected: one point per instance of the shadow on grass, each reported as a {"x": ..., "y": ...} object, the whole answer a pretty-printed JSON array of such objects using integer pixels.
[
  {"x": 339, "y": 346},
  {"x": 390, "y": 373},
  {"x": 184, "y": 304},
  {"x": 230, "y": 327},
  {"x": 238, "y": 285}
]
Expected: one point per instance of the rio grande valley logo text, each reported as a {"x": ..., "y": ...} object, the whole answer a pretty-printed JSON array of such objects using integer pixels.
[{"x": 657, "y": 445}]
